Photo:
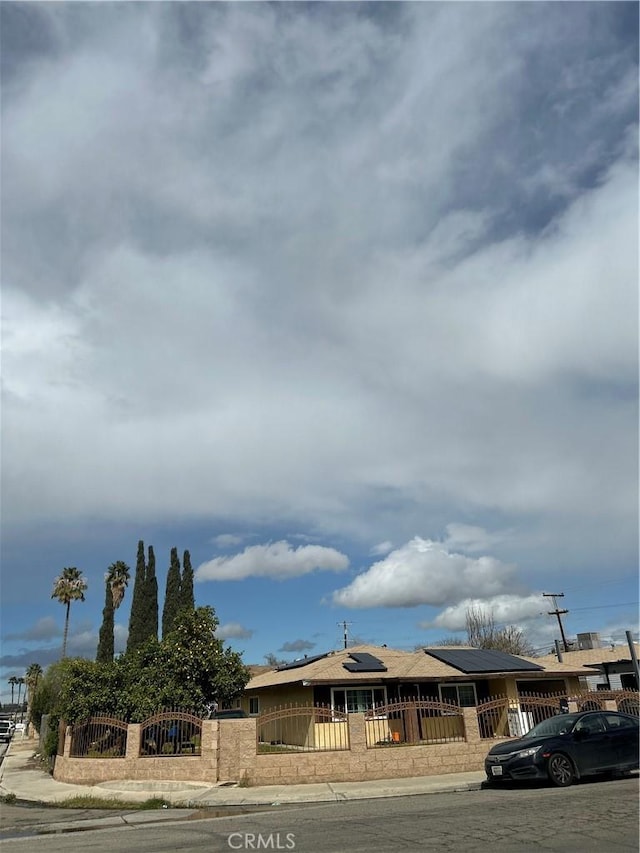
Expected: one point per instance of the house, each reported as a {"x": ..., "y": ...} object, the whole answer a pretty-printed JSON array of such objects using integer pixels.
[
  {"x": 360, "y": 678},
  {"x": 601, "y": 668}
]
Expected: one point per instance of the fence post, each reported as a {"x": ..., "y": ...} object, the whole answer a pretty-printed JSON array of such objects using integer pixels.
[
  {"x": 66, "y": 733},
  {"x": 471, "y": 725},
  {"x": 357, "y": 733},
  {"x": 133, "y": 740}
]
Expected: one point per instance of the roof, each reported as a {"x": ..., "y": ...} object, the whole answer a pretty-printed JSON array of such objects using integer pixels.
[
  {"x": 366, "y": 664},
  {"x": 585, "y": 658}
]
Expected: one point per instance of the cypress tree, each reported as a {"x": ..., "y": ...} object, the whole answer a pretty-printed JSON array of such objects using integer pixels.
[
  {"x": 187, "y": 600},
  {"x": 172, "y": 594},
  {"x": 151, "y": 599},
  {"x": 105, "y": 638},
  {"x": 137, "y": 634}
]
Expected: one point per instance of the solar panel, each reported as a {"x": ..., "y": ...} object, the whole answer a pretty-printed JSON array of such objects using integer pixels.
[
  {"x": 300, "y": 662},
  {"x": 482, "y": 660},
  {"x": 364, "y": 662}
]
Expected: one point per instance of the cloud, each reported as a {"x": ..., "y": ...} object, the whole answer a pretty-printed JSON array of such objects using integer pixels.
[
  {"x": 44, "y": 629},
  {"x": 381, "y": 548},
  {"x": 505, "y": 609},
  {"x": 276, "y": 560},
  {"x": 297, "y": 646},
  {"x": 233, "y": 630},
  {"x": 424, "y": 572},
  {"x": 227, "y": 540},
  {"x": 338, "y": 270},
  {"x": 467, "y": 537}
]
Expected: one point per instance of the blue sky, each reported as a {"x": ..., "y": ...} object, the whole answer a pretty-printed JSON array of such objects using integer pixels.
[{"x": 340, "y": 297}]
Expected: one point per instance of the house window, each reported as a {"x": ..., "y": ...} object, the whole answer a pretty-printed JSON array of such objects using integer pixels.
[
  {"x": 358, "y": 700},
  {"x": 254, "y": 705},
  {"x": 459, "y": 694}
]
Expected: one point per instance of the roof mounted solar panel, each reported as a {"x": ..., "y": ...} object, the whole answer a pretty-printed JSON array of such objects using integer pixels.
[
  {"x": 482, "y": 660},
  {"x": 364, "y": 662},
  {"x": 301, "y": 662}
]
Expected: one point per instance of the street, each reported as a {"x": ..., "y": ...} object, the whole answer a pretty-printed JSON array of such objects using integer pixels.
[{"x": 595, "y": 815}]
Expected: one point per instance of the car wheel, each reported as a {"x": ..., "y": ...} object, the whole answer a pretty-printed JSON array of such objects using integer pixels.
[{"x": 560, "y": 770}]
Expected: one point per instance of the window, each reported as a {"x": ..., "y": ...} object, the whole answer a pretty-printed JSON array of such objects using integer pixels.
[
  {"x": 459, "y": 694},
  {"x": 254, "y": 705},
  {"x": 592, "y": 724},
  {"x": 358, "y": 700}
]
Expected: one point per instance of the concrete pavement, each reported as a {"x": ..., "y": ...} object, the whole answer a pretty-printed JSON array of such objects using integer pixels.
[{"x": 17, "y": 777}]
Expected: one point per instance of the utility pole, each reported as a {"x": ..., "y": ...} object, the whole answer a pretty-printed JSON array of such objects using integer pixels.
[
  {"x": 558, "y": 613},
  {"x": 344, "y": 629}
]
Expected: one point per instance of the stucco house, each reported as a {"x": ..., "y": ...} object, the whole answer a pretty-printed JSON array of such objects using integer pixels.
[
  {"x": 357, "y": 679},
  {"x": 601, "y": 668}
]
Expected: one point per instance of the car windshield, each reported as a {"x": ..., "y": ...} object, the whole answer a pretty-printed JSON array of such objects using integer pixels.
[{"x": 553, "y": 726}]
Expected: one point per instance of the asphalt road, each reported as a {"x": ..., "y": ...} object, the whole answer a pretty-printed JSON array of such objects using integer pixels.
[{"x": 591, "y": 816}]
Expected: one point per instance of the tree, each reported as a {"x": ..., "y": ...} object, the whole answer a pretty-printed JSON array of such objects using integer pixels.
[
  {"x": 12, "y": 681},
  {"x": 482, "y": 633},
  {"x": 190, "y": 668},
  {"x": 67, "y": 587},
  {"x": 187, "y": 598},
  {"x": 105, "y": 637},
  {"x": 33, "y": 676},
  {"x": 21, "y": 682},
  {"x": 151, "y": 599},
  {"x": 116, "y": 581},
  {"x": 274, "y": 660},
  {"x": 172, "y": 594},
  {"x": 136, "y": 618}
]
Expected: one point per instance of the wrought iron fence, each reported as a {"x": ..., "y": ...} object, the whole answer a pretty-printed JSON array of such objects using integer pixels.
[
  {"x": 99, "y": 737},
  {"x": 628, "y": 702},
  {"x": 496, "y": 716},
  {"x": 413, "y": 721},
  {"x": 302, "y": 728},
  {"x": 170, "y": 733}
]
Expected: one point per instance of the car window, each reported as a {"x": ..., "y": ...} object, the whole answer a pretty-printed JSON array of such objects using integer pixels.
[
  {"x": 618, "y": 722},
  {"x": 591, "y": 724}
]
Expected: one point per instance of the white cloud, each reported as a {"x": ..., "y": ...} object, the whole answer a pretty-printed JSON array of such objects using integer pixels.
[
  {"x": 381, "y": 548},
  {"x": 277, "y": 560},
  {"x": 424, "y": 572},
  {"x": 227, "y": 540},
  {"x": 233, "y": 630},
  {"x": 505, "y": 609}
]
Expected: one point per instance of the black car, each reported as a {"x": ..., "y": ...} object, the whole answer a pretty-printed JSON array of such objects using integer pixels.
[{"x": 566, "y": 747}]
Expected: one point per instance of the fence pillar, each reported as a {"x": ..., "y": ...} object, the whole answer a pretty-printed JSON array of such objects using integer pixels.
[
  {"x": 133, "y": 740},
  {"x": 610, "y": 705},
  {"x": 357, "y": 733},
  {"x": 471, "y": 725},
  {"x": 67, "y": 734}
]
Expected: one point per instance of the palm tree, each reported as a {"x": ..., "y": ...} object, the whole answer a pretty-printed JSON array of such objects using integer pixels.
[
  {"x": 118, "y": 577},
  {"x": 116, "y": 580},
  {"x": 34, "y": 671},
  {"x": 20, "y": 682},
  {"x": 12, "y": 681},
  {"x": 67, "y": 587}
]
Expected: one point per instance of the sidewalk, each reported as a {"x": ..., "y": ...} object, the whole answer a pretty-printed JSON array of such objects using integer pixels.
[{"x": 17, "y": 778}]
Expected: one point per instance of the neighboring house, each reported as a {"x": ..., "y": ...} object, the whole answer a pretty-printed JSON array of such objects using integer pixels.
[
  {"x": 601, "y": 668},
  {"x": 359, "y": 678}
]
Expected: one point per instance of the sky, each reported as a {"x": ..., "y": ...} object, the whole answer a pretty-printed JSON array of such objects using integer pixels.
[{"x": 341, "y": 297}]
